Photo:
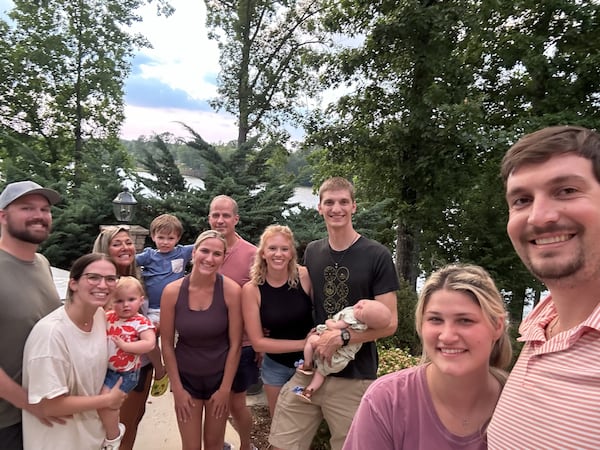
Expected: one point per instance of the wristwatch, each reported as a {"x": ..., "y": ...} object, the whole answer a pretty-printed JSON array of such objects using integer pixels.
[{"x": 345, "y": 337}]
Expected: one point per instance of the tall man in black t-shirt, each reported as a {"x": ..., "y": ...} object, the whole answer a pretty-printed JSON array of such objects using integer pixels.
[{"x": 344, "y": 268}]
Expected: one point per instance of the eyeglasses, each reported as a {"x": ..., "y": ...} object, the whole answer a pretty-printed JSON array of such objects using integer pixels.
[{"x": 95, "y": 279}]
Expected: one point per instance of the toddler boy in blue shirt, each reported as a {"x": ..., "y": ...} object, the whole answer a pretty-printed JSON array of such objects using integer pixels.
[{"x": 161, "y": 266}]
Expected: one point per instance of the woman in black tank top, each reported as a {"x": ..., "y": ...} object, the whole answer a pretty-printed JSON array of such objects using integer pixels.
[
  {"x": 204, "y": 309},
  {"x": 277, "y": 308}
]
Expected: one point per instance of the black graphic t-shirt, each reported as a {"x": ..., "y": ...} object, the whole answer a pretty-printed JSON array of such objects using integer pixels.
[{"x": 340, "y": 279}]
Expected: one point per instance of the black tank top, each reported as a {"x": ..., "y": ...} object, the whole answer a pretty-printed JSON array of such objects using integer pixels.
[{"x": 287, "y": 313}]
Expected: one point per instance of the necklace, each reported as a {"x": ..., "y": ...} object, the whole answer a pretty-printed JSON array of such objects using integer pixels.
[
  {"x": 337, "y": 263},
  {"x": 83, "y": 325}
]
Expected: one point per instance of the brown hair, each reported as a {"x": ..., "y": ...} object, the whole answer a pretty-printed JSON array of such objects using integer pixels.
[
  {"x": 336, "y": 184},
  {"x": 166, "y": 223},
  {"x": 475, "y": 282},
  {"x": 258, "y": 271},
  {"x": 79, "y": 266},
  {"x": 541, "y": 145}
]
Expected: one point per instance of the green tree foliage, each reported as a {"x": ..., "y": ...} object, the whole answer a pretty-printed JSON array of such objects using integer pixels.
[
  {"x": 68, "y": 62},
  {"x": 63, "y": 68},
  {"x": 540, "y": 63},
  {"x": 83, "y": 208},
  {"x": 264, "y": 46},
  {"x": 405, "y": 132},
  {"x": 438, "y": 92},
  {"x": 538, "y": 67},
  {"x": 405, "y": 337},
  {"x": 168, "y": 177},
  {"x": 254, "y": 177}
]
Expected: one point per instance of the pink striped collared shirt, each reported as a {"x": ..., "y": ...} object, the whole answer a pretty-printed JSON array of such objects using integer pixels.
[{"x": 552, "y": 397}]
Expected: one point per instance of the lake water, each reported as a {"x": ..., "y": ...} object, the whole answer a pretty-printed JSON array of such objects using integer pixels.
[{"x": 302, "y": 195}]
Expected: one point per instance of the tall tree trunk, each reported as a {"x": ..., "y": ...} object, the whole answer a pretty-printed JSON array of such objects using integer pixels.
[
  {"x": 406, "y": 255},
  {"x": 245, "y": 13},
  {"x": 515, "y": 306}
]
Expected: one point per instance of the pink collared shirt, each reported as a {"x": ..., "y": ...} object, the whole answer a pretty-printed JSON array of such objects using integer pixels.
[
  {"x": 552, "y": 397},
  {"x": 238, "y": 261}
]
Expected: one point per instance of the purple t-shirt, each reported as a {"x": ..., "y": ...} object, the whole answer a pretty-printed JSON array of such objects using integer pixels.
[{"x": 397, "y": 412}]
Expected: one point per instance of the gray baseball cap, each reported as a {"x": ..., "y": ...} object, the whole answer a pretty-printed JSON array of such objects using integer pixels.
[{"x": 18, "y": 189}]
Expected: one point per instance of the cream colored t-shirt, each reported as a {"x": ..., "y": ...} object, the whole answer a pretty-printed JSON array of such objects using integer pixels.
[{"x": 60, "y": 358}]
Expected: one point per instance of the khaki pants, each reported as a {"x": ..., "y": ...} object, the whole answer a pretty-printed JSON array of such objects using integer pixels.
[{"x": 295, "y": 422}]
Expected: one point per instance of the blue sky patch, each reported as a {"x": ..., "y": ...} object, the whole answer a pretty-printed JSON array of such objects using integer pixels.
[{"x": 152, "y": 93}]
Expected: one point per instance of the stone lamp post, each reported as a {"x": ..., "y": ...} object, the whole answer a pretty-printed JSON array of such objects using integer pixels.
[{"x": 124, "y": 210}]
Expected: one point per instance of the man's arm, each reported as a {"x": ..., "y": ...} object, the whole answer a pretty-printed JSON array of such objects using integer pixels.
[
  {"x": 331, "y": 340},
  {"x": 17, "y": 396},
  {"x": 12, "y": 392}
]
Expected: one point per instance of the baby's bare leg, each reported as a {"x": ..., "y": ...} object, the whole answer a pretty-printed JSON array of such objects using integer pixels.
[
  {"x": 309, "y": 351},
  {"x": 316, "y": 382}
]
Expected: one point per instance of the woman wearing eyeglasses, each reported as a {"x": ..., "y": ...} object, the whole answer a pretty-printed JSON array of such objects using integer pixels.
[
  {"x": 64, "y": 362},
  {"x": 204, "y": 310}
]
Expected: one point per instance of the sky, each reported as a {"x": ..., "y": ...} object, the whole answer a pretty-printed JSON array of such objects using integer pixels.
[{"x": 173, "y": 81}]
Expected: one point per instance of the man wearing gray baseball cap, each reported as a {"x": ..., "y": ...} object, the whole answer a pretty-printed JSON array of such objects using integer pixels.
[{"x": 27, "y": 294}]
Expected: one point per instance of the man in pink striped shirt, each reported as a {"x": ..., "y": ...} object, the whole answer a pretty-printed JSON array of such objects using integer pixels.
[{"x": 551, "y": 399}]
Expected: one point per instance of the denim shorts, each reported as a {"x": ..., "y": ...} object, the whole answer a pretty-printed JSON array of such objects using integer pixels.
[
  {"x": 130, "y": 379},
  {"x": 274, "y": 373}
]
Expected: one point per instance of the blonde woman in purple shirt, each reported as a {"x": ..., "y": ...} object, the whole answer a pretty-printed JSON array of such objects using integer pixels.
[{"x": 447, "y": 401}]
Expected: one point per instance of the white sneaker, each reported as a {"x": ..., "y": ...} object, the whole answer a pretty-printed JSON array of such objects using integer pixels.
[{"x": 113, "y": 444}]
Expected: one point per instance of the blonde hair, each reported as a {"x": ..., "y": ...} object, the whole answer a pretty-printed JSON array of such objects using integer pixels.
[
  {"x": 126, "y": 282},
  {"x": 475, "y": 282},
  {"x": 258, "y": 271},
  {"x": 102, "y": 245},
  {"x": 210, "y": 234}
]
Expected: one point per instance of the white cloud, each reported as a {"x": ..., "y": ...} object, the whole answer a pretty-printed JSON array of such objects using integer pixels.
[
  {"x": 183, "y": 62},
  {"x": 183, "y": 58},
  {"x": 211, "y": 126},
  {"x": 182, "y": 55}
]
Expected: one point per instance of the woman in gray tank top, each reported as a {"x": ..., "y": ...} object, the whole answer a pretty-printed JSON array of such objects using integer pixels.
[{"x": 204, "y": 310}]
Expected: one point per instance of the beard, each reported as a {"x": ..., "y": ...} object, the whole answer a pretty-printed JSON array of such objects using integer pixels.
[
  {"x": 547, "y": 269},
  {"x": 553, "y": 264},
  {"x": 26, "y": 235}
]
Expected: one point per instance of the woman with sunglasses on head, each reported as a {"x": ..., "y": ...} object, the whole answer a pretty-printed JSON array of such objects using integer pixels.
[
  {"x": 203, "y": 309},
  {"x": 116, "y": 242},
  {"x": 64, "y": 362}
]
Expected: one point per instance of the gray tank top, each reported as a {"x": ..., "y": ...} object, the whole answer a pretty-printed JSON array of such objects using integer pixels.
[{"x": 203, "y": 336}]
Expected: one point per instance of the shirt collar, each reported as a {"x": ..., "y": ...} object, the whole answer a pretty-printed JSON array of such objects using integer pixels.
[{"x": 533, "y": 328}]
